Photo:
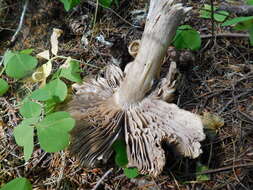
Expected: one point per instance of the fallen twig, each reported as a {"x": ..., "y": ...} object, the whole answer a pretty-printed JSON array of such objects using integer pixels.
[
  {"x": 20, "y": 22},
  {"x": 248, "y": 165},
  {"x": 1, "y": 63},
  {"x": 212, "y": 94},
  {"x": 102, "y": 178},
  {"x": 242, "y": 10},
  {"x": 95, "y": 16},
  {"x": 246, "y": 116},
  {"x": 63, "y": 163},
  {"x": 10, "y": 111},
  {"x": 235, "y": 98},
  {"x": 226, "y": 35},
  {"x": 223, "y": 169}
]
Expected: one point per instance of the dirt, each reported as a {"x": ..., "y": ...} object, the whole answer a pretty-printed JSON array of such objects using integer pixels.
[{"x": 217, "y": 79}]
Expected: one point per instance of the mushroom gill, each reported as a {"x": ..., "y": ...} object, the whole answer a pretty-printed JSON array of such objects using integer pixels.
[{"x": 128, "y": 103}]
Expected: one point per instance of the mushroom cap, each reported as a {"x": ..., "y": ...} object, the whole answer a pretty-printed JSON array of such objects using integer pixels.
[
  {"x": 145, "y": 124},
  {"x": 97, "y": 117},
  {"x": 134, "y": 47},
  {"x": 153, "y": 121}
]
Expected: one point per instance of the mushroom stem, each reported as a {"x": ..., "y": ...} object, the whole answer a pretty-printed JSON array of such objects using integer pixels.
[{"x": 162, "y": 22}]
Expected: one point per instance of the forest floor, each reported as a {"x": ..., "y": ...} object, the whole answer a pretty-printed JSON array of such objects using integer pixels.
[{"x": 218, "y": 79}]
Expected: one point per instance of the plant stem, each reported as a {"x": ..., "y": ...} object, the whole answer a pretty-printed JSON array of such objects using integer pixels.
[
  {"x": 63, "y": 57},
  {"x": 212, "y": 16}
]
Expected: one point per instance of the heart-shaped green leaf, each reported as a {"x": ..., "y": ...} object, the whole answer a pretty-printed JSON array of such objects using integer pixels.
[
  {"x": 249, "y": 2},
  {"x": 106, "y": 3},
  {"x": 187, "y": 38},
  {"x": 131, "y": 172},
  {"x": 121, "y": 155},
  {"x": 55, "y": 89},
  {"x": 18, "y": 184},
  {"x": 69, "y": 4},
  {"x": 237, "y": 20},
  {"x": 3, "y": 87},
  {"x": 53, "y": 131},
  {"x": 18, "y": 65},
  {"x": 30, "y": 109},
  {"x": 206, "y": 12},
  {"x": 41, "y": 94},
  {"x": 24, "y": 137},
  {"x": 201, "y": 168},
  {"x": 71, "y": 71},
  {"x": 58, "y": 90}
]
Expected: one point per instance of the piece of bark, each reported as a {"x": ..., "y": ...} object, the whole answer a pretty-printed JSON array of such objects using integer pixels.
[{"x": 127, "y": 104}]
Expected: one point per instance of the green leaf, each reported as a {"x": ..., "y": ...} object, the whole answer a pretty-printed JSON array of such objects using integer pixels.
[
  {"x": 30, "y": 109},
  {"x": 56, "y": 74},
  {"x": 116, "y": 2},
  {"x": 251, "y": 36},
  {"x": 121, "y": 154},
  {"x": 49, "y": 106},
  {"x": 30, "y": 121},
  {"x": 121, "y": 158},
  {"x": 202, "y": 177},
  {"x": 53, "y": 131},
  {"x": 249, "y": 2},
  {"x": 41, "y": 94},
  {"x": 27, "y": 51},
  {"x": 106, "y": 3},
  {"x": 69, "y": 4},
  {"x": 205, "y": 12},
  {"x": 187, "y": 38},
  {"x": 18, "y": 184},
  {"x": 237, "y": 20},
  {"x": 19, "y": 65},
  {"x": 71, "y": 71},
  {"x": 245, "y": 25},
  {"x": 131, "y": 172},
  {"x": 219, "y": 16},
  {"x": 24, "y": 137},
  {"x": 58, "y": 90},
  {"x": 3, "y": 87}
]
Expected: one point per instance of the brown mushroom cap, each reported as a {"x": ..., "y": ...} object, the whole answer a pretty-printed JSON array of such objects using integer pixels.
[
  {"x": 97, "y": 117},
  {"x": 134, "y": 47},
  {"x": 127, "y": 104},
  {"x": 153, "y": 121},
  {"x": 146, "y": 124}
]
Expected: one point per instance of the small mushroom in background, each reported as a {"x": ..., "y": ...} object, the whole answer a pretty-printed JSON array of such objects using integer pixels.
[
  {"x": 131, "y": 105},
  {"x": 134, "y": 47}
]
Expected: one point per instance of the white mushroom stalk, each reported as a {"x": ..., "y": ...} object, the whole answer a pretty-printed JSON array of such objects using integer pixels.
[{"x": 128, "y": 104}]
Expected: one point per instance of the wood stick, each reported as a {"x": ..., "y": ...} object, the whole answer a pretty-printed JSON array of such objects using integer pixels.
[
  {"x": 20, "y": 22},
  {"x": 241, "y": 10},
  {"x": 248, "y": 165},
  {"x": 102, "y": 178},
  {"x": 225, "y": 35},
  {"x": 222, "y": 169}
]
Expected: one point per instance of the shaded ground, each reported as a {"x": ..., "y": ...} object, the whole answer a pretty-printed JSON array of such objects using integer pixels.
[{"x": 219, "y": 80}]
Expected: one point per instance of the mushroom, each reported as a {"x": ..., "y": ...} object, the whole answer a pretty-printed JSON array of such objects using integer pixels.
[
  {"x": 134, "y": 47},
  {"x": 131, "y": 105}
]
